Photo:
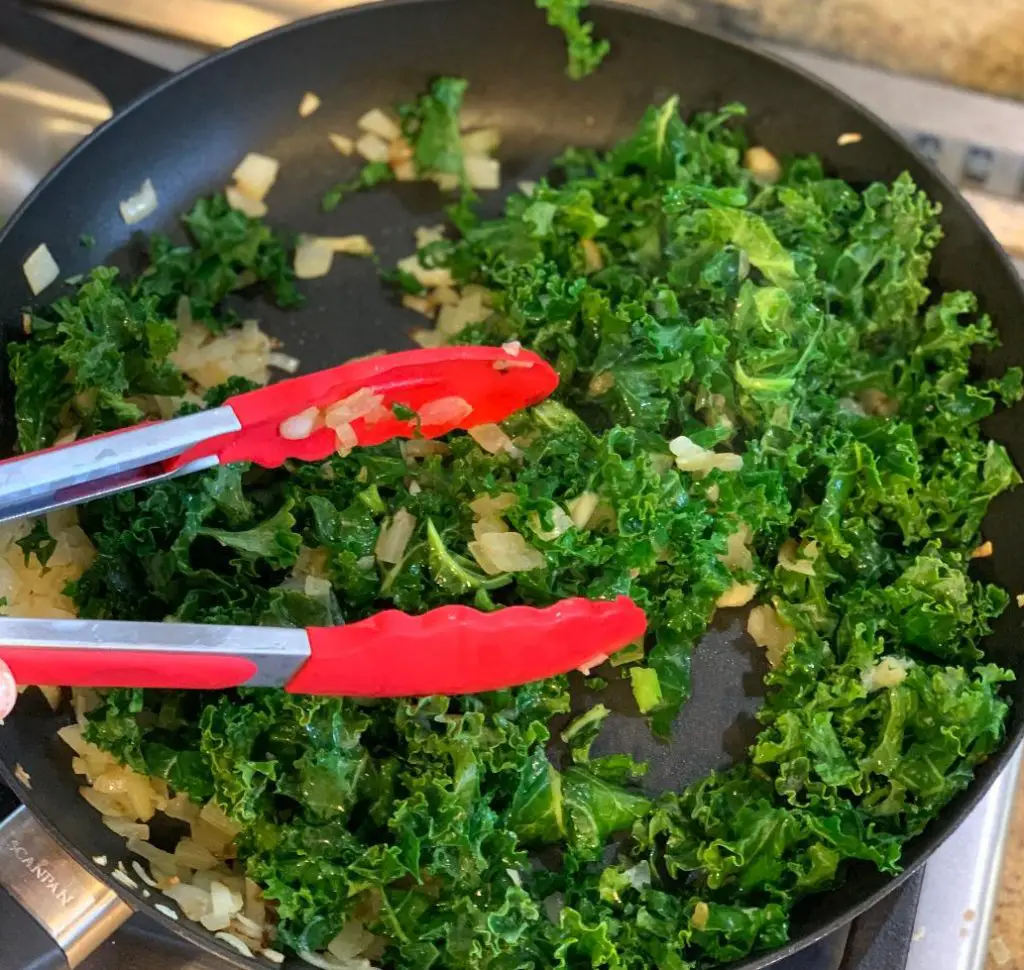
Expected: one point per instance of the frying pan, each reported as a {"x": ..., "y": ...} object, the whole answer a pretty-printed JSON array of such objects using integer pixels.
[{"x": 187, "y": 134}]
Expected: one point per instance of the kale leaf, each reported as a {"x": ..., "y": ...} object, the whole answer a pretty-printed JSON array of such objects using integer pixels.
[{"x": 585, "y": 52}]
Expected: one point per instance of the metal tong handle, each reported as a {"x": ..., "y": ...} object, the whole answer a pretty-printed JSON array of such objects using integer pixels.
[{"x": 98, "y": 466}]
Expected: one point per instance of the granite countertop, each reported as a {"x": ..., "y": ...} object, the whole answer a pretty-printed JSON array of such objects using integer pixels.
[
  {"x": 975, "y": 45},
  {"x": 1006, "y": 940}
]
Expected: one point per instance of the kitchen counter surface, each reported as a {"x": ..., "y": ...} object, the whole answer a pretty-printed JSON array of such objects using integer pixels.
[{"x": 1006, "y": 942}]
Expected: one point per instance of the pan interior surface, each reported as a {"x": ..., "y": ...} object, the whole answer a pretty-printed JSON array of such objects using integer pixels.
[{"x": 190, "y": 134}]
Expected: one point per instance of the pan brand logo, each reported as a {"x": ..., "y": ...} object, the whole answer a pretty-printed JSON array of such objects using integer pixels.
[{"x": 41, "y": 873}]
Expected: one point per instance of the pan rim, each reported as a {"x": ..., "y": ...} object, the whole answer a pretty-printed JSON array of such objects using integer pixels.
[{"x": 942, "y": 827}]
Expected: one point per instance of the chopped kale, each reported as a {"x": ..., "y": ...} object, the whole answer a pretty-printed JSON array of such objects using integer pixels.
[
  {"x": 788, "y": 332},
  {"x": 585, "y": 52}
]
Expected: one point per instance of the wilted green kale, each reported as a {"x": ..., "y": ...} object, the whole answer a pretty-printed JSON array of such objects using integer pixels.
[
  {"x": 826, "y": 457},
  {"x": 585, "y": 53},
  {"x": 95, "y": 352}
]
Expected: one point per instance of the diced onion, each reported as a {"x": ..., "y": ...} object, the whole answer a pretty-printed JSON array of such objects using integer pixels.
[
  {"x": 355, "y": 245},
  {"x": 372, "y": 148},
  {"x": 344, "y": 145},
  {"x": 561, "y": 523},
  {"x": 300, "y": 426},
  {"x": 446, "y": 181},
  {"x": 791, "y": 562},
  {"x": 104, "y": 804},
  {"x": 421, "y": 448},
  {"x": 313, "y": 258},
  {"x": 770, "y": 631},
  {"x": 214, "y": 815},
  {"x": 234, "y": 942},
  {"x": 482, "y": 173},
  {"x": 471, "y": 308},
  {"x": 345, "y": 439},
  {"x": 320, "y": 961},
  {"x": 183, "y": 808},
  {"x": 691, "y": 457},
  {"x": 762, "y": 164},
  {"x": 492, "y": 439},
  {"x": 507, "y": 552},
  {"x": 351, "y": 941},
  {"x": 427, "y": 338},
  {"x": 40, "y": 269},
  {"x": 601, "y": 383},
  {"x": 192, "y": 855},
  {"x": 126, "y": 829},
  {"x": 512, "y": 347},
  {"x": 701, "y": 913},
  {"x": 247, "y": 926},
  {"x": 285, "y": 362},
  {"x": 483, "y": 141},
  {"x": 425, "y": 277},
  {"x": 739, "y": 594},
  {"x": 983, "y": 551},
  {"x": 309, "y": 103},
  {"x": 223, "y": 900},
  {"x": 140, "y": 205},
  {"x": 238, "y": 200},
  {"x": 878, "y": 403},
  {"x": 888, "y": 672},
  {"x": 376, "y": 122},
  {"x": 394, "y": 537},
  {"x": 422, "y": 304},
  {"x": 737, "y": 552},
  {"x": 358, "y": 405},
  {"x": 488, "y": 505},
  {"x": 444, "y": 411},
  {"x": 194, "y": 902},
  {"x": 153, "y": 855},
  {"x": 489, "y": 523},
  {"x": 255, "y": 908},
  {"x": 215, "y": 921},
  {"x": 405, "y": 171},
  {"x": 425, "y": 235},
  {"x": 255, "y": 175},
  {"x": 593, "y": 260},
  {"x": 582, "y": 508}
]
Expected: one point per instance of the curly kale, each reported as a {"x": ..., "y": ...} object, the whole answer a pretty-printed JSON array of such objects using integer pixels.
[
  {"x": 95, "y": 352},
  {"x": 787, "y": 329},
  {"x": 585, "y": 52}
]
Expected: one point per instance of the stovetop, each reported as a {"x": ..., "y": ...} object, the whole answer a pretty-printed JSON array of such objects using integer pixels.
[{"x": 937, "y": 920}]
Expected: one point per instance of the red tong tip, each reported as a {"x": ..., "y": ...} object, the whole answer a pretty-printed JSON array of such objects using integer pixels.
[{"x": 364, "y": 403}]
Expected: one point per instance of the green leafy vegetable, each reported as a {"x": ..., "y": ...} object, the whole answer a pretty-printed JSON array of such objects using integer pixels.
[
  {"x": 369, "y": 176},
  {"x": 585, "y": 52},
  {"x": 38, "y": 543},
  {"x": 431, "y": 125},
  {"x": 826, "y": 457},
  {"x": 94, "y": 353}
]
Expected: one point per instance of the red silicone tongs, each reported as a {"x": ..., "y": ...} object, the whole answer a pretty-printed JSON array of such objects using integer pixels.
[
  {"x": 492, "y": 382},
  {"x": 450, "y": 650}
]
